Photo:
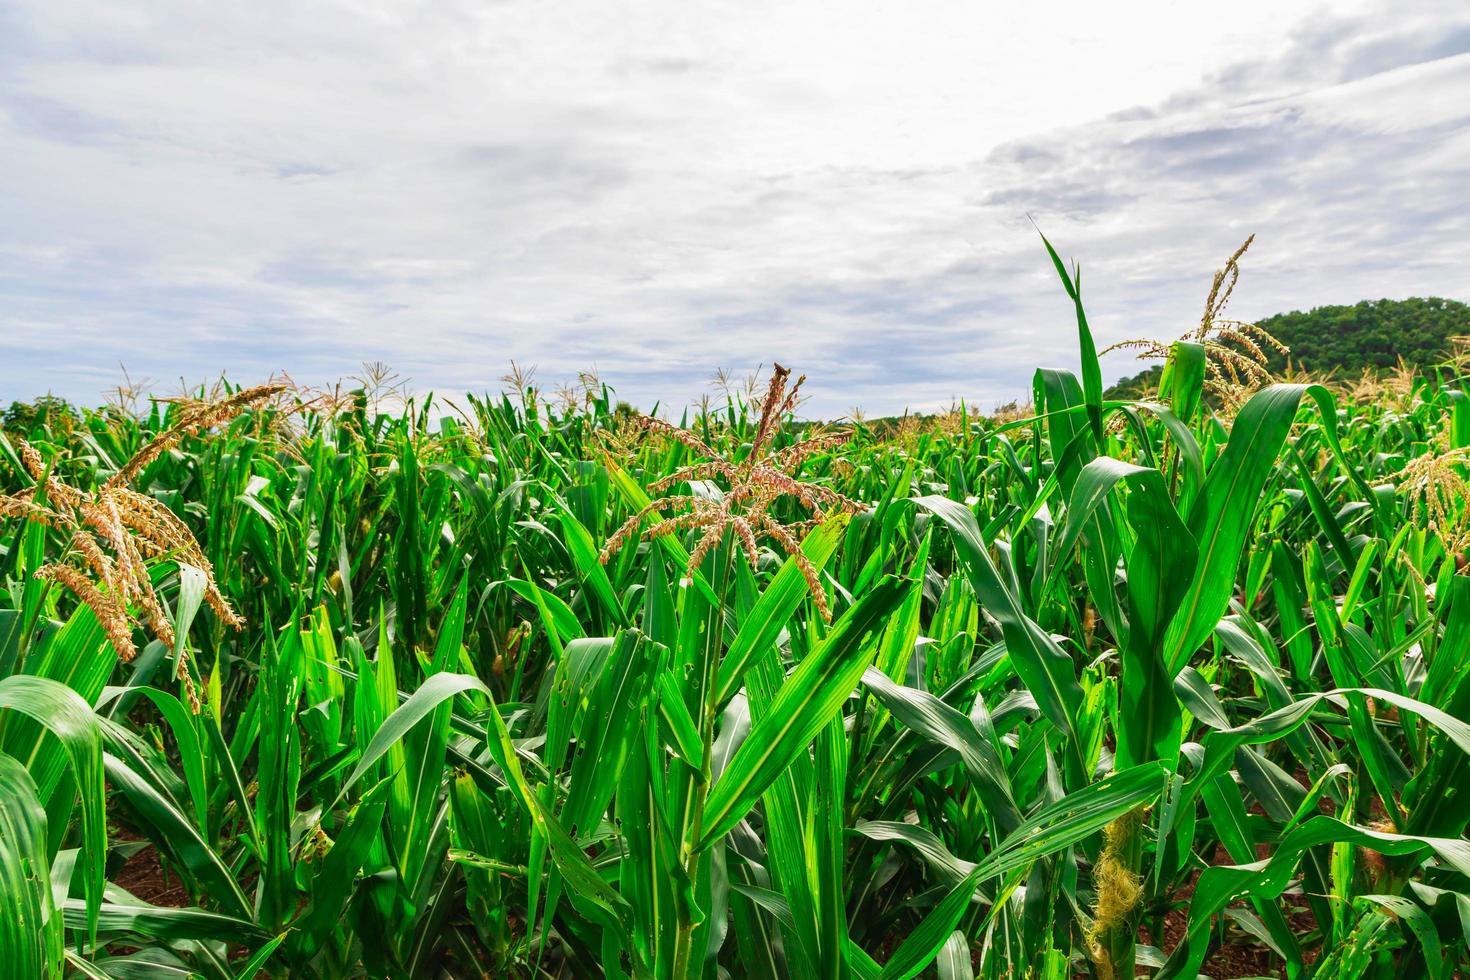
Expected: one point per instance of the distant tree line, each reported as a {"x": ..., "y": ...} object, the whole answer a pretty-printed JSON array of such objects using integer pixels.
[
  {"x": 48, "y": 410},
  {"x": 1345, "y": 340}
]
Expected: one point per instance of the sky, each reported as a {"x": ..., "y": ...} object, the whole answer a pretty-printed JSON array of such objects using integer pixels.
[{"x": 653, "y": 191}]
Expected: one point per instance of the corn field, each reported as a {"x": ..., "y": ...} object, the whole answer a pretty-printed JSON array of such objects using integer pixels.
[{"x": 313, "y": 685}]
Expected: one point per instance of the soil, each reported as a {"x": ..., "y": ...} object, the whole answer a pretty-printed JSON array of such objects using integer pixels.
[
  {"x": 144, "y": 878},
  {"x": 1241, "y": 956}
]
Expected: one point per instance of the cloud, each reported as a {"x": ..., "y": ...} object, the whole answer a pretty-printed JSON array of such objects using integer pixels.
[{"x": 661, "y": 192}]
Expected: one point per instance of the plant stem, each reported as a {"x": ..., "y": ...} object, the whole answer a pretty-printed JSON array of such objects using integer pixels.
[{"x": 692, "y": 855}]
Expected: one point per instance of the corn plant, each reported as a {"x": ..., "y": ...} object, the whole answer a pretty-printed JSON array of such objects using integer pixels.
[{"x": 516, "y": 688}]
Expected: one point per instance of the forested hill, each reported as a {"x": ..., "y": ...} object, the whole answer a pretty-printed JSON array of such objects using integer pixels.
[{"x": 1344, "y": 340}]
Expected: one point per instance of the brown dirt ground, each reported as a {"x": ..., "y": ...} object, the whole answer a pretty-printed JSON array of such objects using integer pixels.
[{"x": 143, "y": 876}]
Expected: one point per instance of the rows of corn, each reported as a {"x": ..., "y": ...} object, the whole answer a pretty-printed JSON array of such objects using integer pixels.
[{"x": 512, "y": 690}]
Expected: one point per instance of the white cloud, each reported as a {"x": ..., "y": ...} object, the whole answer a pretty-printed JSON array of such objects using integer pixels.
[{"x": 662, "y": 189}]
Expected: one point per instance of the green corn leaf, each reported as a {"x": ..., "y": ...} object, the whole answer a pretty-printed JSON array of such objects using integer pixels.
[
  {"x": 30, "y": 929},
  {"x": 158, "y": 922},
  {"x": 432, "y": 693},
  {"x": 615, "y": 708},
  {"x": 191, "y": 752},
  {"x": 172, "y": 832},
  {"x": 1071, "y": 820},
  {"x": 257, "y": 962},
  {"x": 773, "y": 609},
  {"x": 808, "y": 699},
  {"x": 585, "y": 553},
  {"x": 953, "y": 962},
  {"x": 1091, "y": 370},
  {"x": 76, "y": 728},
  {"x": 932, "y": 718},
  {"x": 1043, "y": 667}
]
